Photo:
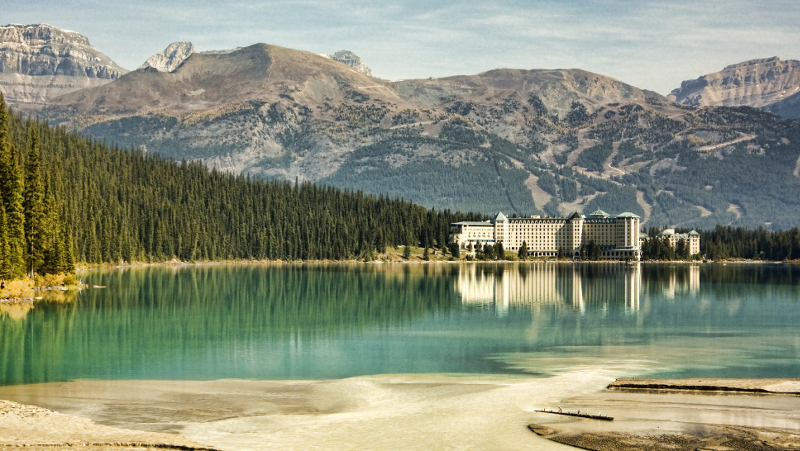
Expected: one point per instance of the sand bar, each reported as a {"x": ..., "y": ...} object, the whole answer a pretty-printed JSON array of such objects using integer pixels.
[
  {"x": 781, "y": 386},
  {"x": 722, "y": 415}
]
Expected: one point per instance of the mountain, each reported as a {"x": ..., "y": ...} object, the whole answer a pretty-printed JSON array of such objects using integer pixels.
[
  {"x": 770, "y": 84},
  {"x": 278, "y": 112},
  {"x": 41, "y": 62},
  {"x": 237, "y": 110},
  {"x": 170, "y": 58},
  {"x": 557, "y": 89},
  {"x": 519, "y": 141}
]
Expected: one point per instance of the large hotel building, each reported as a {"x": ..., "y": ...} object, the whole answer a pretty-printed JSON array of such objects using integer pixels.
[{"x": 616, "y": 236}]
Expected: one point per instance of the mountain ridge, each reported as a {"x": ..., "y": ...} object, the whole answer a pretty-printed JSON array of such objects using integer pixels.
[
  {"x": 522, "y": 141},
  {"x": 760, "y": 83},
  {"x": 40, "y": 62}
]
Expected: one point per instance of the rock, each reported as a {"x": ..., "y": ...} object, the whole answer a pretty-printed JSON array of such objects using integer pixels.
[
  {"x": 540, "y": 430},
  {"x": 170, "y": 58},
  {"x": 352, "y": 60}
]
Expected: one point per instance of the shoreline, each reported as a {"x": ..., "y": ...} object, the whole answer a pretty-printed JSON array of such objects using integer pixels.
[
  {"x": 16, "y": 291},
  {"x": 411, "y": 411},
  {"x": 36, "y": 428},
  {"x": 84, "y": 268}
]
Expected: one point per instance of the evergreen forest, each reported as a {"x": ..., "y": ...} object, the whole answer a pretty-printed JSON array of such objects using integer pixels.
[{"x": 33, "y": 237}]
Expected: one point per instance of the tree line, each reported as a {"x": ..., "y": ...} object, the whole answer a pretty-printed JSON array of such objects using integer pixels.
[
  {"x": 738, "y": 242},
  {"x": 106, "y": 204},
  {"x": 727, "y": 242}
]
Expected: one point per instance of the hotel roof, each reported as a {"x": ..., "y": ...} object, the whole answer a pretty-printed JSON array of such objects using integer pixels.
[{"x": 473, "y": 223}]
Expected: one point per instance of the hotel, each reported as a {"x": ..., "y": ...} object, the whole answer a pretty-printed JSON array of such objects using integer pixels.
[
  {"x": 616, "y": 236},
  {"x": 691, "y": 239}
]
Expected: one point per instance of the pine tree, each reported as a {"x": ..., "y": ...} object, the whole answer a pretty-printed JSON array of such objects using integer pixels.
[
  {"x": 594, "y": 251},
  {"x": 11, "y": 197},
  {"x": 488, "y": 252},
  {"x": 33, "y": 205},
  {"x": 499, "y": 251},
  {"x": 67, "y": 256},
  {"x": 523, "y": 251},
  {"x": 407, "y": 252},
  {"x": 455, "y": 250},
  {"x": 5, "y": 273},
  {"x": 51, "y": 244}
]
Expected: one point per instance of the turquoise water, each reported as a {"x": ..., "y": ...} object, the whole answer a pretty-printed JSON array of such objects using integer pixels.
[{"x": 334, "y": 321}]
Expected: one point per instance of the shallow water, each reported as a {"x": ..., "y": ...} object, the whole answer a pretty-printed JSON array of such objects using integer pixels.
[
  {"x": 411, "y": 411},
  {"x": 339, "y": 320}
]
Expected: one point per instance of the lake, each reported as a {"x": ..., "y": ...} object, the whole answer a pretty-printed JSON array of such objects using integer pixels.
[{"x": 330, "y": 321}]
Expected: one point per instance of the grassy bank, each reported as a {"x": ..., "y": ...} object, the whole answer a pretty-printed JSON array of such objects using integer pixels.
[{"x": 28, "y": 289}]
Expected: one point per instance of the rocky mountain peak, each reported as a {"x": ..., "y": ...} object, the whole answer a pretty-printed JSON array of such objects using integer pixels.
[
  {"x": 774, "y": 61},
  {"x": 170, "y": 58},
  {"x": 352, "y": 60},
  {"x": 40, "y": 62},
  {"x": 44, "y": 50},
  {"x": 759, "y": 83}
]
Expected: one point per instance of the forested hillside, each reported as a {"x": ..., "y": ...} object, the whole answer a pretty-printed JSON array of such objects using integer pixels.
[{"x": 124, "y": 205}]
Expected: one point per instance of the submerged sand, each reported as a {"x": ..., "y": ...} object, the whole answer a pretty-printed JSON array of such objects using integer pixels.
[
  {"x": 387, "y": 412},
  {"x": 414, "y": 412}
]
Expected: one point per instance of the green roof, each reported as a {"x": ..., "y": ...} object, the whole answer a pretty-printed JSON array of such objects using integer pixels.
[
  {"x": 693, "y": 233},
  {"x": 500, "y": 217},
  {"x": 627, "y": 214},
  {"x": 473, "y": 223},
  {"x": 599, "y": 213}
]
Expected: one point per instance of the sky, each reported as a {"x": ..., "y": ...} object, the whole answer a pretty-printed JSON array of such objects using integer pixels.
[{"x": 651, "y": 44}]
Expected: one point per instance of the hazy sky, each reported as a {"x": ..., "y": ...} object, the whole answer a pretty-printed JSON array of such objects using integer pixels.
[{"x": 650, "y": 44}]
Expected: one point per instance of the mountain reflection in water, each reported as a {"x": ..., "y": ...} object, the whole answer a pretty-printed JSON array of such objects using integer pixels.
[{"x": 301, "y": 321}]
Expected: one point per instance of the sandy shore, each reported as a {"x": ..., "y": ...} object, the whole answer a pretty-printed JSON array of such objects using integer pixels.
[
  {"x": 414, "y": 412},
  {"x": 36, "y": 428}
]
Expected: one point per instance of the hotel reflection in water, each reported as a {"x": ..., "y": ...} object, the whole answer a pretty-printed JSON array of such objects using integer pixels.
[{"x": 577, "y": 287}]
